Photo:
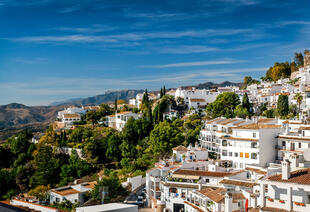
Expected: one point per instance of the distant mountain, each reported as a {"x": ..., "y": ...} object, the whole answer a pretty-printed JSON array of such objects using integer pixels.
[
  {"x": 14, "y": 117},
  {"x": 108, "y": 96},
  {"x": 210, "y": 85}
]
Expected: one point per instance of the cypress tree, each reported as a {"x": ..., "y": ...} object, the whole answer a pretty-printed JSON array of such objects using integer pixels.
[{"x": 283, "y": 107}]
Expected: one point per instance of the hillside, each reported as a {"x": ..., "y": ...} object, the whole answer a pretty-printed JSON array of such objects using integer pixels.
[
  {"x": 15, "y": 117},
  {"x": 108, "y": 96}
]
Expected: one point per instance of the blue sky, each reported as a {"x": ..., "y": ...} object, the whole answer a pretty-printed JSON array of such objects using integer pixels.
[{"x": 54, "y": 50}]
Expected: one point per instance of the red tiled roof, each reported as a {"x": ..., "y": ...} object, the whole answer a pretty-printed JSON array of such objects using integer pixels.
[
  {"x": 197, "y": 100},
  {"x": 194, "y": 206},
  {"x": 299, "y": 177},
  {"x": 239, "y": 139},
  {"x": 66, "y": 192},
  {"x": 238, "y": 183},
  {"x": 68, "y": 116},
  {"x": 180, "y": 148},
  {"x": 203, "y": 173},
  {"x": 216, "y": 195},
  {"x": 256, "y": 170},
  {"x": 294, "y": 138}
]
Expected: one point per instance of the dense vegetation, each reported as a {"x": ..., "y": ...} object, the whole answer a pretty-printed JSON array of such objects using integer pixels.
[{"x": 25, "y": 166}]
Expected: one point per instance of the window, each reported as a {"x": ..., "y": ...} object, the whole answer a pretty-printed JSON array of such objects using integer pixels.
[
  {"x": 253, "y": 155},
  {"x": 253, "y": 145},
  {"x": 230, "y": 154},
  {"x": 241, "y": 165},
  {"x": 283, "y": 143},
  {"x": 241, "y": 154},
  {"x": 299, "y": 145},
  {"x": 224, "y": 143},
  {"x": 303, "y": 133},
  {"x": 207, "y": 180},
  {"x": 254, "y": 135},
  {"x": 224, "y": 153},
  {"x": 248, "y": 175},
  {"x": 236, "y": 154},
  {"x": 247, "y": 155}
]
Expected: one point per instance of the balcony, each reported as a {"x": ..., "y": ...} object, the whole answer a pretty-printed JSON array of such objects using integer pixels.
[{"x": 279, "y": 147}]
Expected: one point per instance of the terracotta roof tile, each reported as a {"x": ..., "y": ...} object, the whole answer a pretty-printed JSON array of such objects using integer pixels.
[
  {"x": 216, "y": 195},
  {"x": 197, "y": 100},
  {"x": 294, "y": 138},
  {"x": 299, "y": 177},
  {"x": 258, "y": 126},
  {"x": 68, "y": 116},
  {"x": 239, "y": 139},
  {"x": 203, "y": 173},
  {"x": 238, "y": 183},
  {"x": 65, "y": 192},
  {"x": 180, "y": 149},
  {"x": 256, "y": 170}
]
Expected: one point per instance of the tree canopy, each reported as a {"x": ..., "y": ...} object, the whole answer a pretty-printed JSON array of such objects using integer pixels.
[{"x": 224, "y": 105}]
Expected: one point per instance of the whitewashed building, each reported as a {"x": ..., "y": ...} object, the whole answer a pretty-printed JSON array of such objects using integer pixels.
[{"x": 73, "y": 193}]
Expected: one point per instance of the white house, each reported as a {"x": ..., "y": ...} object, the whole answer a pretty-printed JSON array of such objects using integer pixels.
[
  {"x": 190, "y": 153},
  {"x": 73, "y": 193},
  {"x": 68, "y": 119},
  {"x": 288, "y": 191},
  {"x": 199, "y": 97},
  {"x": 251, "y": 144},
  {"x": 110, "y": 207},
  {"x": 122, "y": 118},
  {"x": 71, "y": 110}
]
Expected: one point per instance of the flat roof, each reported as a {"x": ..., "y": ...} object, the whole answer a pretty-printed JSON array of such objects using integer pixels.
[{"x": 106, "y": 207}]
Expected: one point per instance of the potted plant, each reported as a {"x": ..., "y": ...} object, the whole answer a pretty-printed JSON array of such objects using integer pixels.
[
  {"x": 270, "y": 199},
  {"x": 281, "y": 201}
]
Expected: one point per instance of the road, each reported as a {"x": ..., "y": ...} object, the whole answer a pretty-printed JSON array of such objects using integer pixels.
[{"x": 133, "y": 196}]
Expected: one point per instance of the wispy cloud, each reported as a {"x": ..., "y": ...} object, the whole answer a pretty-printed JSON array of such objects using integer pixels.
[
  {"x": 95, "y": 28},
  {"x": 134, "y": 36},
  {"x": 66, "y": 38},
  {"x": 70, "y": 8},
  {"x": 197, "y": 63},
  {"x": 188, "y": 49},
  {"x": 285, "y": 23}
]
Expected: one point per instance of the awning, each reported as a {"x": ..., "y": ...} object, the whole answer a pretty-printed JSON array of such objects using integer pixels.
[{"x": 188, "y": 177}]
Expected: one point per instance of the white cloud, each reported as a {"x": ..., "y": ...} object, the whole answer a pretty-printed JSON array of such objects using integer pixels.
[
  {"x": 196, "y": 63},
  {"x": 134, "y": 36},
  {"x": 187, "y": 49},
  {"x": 93, "y": 29},
  {"x": 285, "y": 23}
]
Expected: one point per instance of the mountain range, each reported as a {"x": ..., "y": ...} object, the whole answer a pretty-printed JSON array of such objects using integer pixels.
[{"x": 15, "y": 116}]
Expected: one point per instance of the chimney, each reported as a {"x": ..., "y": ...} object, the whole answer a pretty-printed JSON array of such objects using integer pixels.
[
  {"x": 294, "y": 161},
  {"x": 228, "y": 202},
  {"x": 196, "y": 145},
  {"x": 286, "y": 130},
  {"x": 286, "y": 169},
  {"x": 199, "y": 186}
]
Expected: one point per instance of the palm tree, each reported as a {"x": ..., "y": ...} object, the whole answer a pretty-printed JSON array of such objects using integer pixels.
[{"x": 298, "y": 97}]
